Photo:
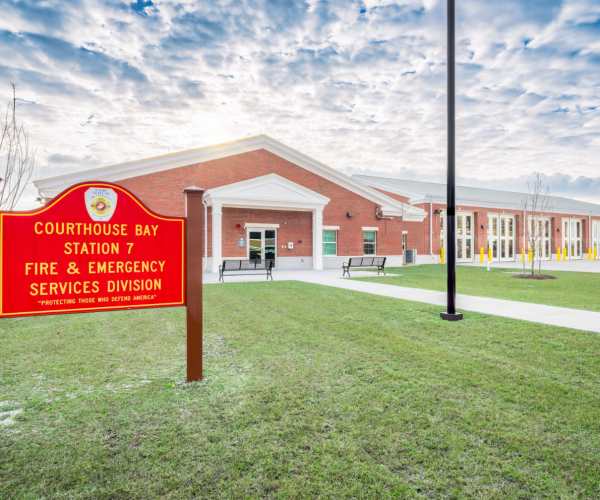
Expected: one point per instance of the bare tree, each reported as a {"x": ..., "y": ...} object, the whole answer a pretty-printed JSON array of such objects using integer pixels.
[
  {"x": 17, "y": 159},
  {"x": 537, "y": 226}
]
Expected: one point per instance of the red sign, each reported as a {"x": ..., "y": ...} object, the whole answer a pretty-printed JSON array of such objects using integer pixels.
[{"x": 94, "y": 247}]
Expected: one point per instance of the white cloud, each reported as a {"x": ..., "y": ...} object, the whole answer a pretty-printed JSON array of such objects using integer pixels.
[{"x": 359, "y": 85}]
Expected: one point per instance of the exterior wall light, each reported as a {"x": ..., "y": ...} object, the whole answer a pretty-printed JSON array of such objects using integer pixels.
[
  {"x": 350, "y": 214},
  {"x": 482, "y": 226}
]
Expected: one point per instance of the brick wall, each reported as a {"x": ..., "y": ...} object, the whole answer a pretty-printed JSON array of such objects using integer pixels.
[
  {"x": 295, "y": 227},
  {"x": 161, "y": 191},
  {"x": 419, "y": 236}
]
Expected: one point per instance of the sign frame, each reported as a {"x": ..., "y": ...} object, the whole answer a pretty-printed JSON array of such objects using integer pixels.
[{"x": 192, "y": 234}]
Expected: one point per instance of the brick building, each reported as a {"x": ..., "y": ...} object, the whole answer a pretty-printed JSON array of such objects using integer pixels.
[
  {"x": 492, "y": 219},
  {"x": 265, "y": 199}
]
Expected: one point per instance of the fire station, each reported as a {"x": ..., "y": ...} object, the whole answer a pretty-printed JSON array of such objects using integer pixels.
[{"x": 267, "y": 200}]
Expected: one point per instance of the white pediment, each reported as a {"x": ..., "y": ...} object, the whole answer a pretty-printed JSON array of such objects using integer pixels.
[{"x": 268, "y": 192}]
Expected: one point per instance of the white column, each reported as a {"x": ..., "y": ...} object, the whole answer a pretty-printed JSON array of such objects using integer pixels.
[
  {"x": 318, "y": 239},
  {"x": 217, "y": 237}
]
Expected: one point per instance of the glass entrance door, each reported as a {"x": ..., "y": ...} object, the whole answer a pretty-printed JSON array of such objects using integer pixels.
[
  {"x": 507, "y": 237},
  {"x": 572, "y": 238},
  {"x": 262, "y": 244},
  {"x": 493, "y": 235},
  {"x": 540, "y": 230},
  {"x": 501, "y": 237},
  {"x": 464, "y": 237}
]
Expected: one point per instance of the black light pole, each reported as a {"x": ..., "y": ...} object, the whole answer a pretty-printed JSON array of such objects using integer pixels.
[{"x": 451, "y": 314}]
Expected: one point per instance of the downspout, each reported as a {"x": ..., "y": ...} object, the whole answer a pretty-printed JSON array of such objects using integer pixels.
[{"x": 205, "y": 234}]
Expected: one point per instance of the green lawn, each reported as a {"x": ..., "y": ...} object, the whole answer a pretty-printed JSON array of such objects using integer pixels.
[
  {"x": 571, "y": 289},
  {"x": 310, "y": 392}
]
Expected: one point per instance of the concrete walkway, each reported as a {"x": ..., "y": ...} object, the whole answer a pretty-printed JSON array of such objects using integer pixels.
[{"x": 537, "y": 313}]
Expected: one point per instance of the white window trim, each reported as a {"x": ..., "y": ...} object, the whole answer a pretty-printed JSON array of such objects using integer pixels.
[
  {"x": 370, "y": 229},
  {"x": 369, "y": 254},
  {"x": 328, "y": 228},
  {"x": 331, "y": 228}
]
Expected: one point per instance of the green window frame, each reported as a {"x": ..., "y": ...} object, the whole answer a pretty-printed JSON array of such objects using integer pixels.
[
  {"x": 369, "y": 243},
  {"x": 329, "y": 242}
]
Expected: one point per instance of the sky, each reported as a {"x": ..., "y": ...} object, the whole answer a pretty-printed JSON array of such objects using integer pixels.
[{"x": 357, "y": 85}]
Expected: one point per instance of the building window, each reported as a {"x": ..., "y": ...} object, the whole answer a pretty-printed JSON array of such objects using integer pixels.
[
  {"x": 329, "y": 242},
  {"x": 369, "y": 242}
]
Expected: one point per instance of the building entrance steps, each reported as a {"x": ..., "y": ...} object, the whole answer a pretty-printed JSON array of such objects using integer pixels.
[{"x": 536, "y": 313}]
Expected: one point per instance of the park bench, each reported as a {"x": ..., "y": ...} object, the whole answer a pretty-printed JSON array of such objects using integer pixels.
[
  {"x": 232, "y": 267},
  {"x": 378, "y": 262}
]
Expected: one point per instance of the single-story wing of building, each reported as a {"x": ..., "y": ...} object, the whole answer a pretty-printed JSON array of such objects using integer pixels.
[
  {"x": 264, "y": 200},
  {"x": 267, "y": 200},
  {"x": 492, "y": 220}
]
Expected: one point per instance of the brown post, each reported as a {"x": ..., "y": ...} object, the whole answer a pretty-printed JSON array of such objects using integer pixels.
[{"x": 194, "y": 213}]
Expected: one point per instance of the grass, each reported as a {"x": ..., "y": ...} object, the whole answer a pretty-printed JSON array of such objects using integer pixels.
[
  {"x": 310, "y": 392},
  {"x": 571, "y": 289}
]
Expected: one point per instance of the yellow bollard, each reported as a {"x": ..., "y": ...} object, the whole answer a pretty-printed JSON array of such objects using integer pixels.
[
  {"x": 558, "y": 252},
  {"x": 482, "y": 255},
  {"x": 522, "y": 255},
  {"x": 595, "y": 254},
  {"x": 530, "y": 255},
  {"x": 442, "y": 255},
  {"x": 490, "y": 254},
  {"x": 589, "y": 254}
]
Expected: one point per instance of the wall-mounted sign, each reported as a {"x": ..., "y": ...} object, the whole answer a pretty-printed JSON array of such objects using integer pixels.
[
  {"x": 241, "y": 242},
  {"x": 94, "y": 247}
]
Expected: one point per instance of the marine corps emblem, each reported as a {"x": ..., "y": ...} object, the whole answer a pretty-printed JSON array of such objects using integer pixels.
[{"x": 101, "y": 203}]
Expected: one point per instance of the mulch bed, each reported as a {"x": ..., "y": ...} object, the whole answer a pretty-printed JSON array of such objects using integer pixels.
[{"x": 535, "y": 276}]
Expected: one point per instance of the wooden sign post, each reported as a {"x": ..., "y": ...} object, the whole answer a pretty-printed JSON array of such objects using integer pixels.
[
  {"x": 97, "y": 247},
  {"x": 194, "y": 213}
]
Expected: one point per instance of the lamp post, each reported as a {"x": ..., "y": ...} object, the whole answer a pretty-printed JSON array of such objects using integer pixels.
[{"x": 451, "y": 314}]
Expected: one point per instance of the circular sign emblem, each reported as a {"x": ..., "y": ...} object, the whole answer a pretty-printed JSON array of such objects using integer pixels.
[{"x": 100, "y": 206}]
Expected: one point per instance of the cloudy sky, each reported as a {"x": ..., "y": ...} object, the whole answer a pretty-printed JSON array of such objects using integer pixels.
[{"x": 358, "y": 85}]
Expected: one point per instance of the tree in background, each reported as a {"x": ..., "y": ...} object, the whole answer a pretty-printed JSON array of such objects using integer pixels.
[
  {"x": 537, "y": 225},
  {"x": 17, "y": 159}
]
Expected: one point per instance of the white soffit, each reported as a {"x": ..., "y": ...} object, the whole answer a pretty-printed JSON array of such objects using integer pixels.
[
  {"x": 266, "y": 192},
  {"x": 52, "y": 186}
]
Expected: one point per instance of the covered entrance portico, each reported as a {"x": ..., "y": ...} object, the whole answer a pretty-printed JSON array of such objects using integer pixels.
[{"x": 260, "y": 238}]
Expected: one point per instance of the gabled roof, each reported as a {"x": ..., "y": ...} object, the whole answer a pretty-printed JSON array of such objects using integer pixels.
[
  {"x": 271, "y": 190},
  {"x": 51, "y": 186},
  {"x": 426, "y": 192}
]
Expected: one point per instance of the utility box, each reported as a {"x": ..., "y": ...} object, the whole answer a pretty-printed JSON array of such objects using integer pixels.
[
  {"x": 290, "y": 245},
  {"x": 410, "y": 256}
]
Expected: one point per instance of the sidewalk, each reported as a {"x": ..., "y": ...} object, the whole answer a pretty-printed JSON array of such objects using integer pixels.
[{"x": 537, "y": 313}]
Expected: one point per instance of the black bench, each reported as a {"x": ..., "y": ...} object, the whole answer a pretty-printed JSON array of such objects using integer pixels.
[
  {"x": 240, "y": 266},
  {"x": 378, "y": 262}
]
